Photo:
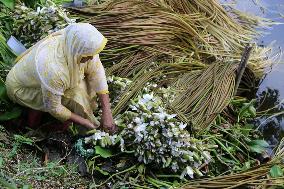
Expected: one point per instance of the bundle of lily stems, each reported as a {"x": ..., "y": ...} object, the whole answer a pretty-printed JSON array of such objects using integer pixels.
[
  {"x": 257, "y": 177},
  {"x": 193, "y": 46}
]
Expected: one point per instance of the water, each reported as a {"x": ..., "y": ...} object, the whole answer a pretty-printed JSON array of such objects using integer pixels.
[{"x": 271, "y": 90}]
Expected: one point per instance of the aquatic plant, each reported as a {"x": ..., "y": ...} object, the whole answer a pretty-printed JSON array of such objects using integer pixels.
[{"x": 30, "y": 25}]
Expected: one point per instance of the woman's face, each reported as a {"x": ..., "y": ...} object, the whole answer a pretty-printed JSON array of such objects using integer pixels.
[{"x": 86, "y": 59}]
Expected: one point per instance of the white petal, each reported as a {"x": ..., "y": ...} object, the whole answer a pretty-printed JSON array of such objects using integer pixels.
[{"x": 189, "y": 171}]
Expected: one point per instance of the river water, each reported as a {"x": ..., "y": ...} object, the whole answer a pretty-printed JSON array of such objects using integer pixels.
[{"x": 271, "y": 89}]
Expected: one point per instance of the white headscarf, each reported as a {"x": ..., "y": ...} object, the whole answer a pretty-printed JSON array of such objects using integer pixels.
[
  {"x": 58, "y": 57},
  {"x": 80, "y": 40}
]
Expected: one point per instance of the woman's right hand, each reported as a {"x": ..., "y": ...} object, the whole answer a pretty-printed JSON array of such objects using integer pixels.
[
  {"x": 88, "y": 124},
  {"x": 82, "y": 121}
]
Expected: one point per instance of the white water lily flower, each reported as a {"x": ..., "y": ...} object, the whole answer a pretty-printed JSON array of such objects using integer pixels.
[
  {"x": 189, "y": 171},
  {"x": 88, "y": 139},
  {"x": 171, "y": 124},
  {"x": 133, "y": 107},
  {"x": 196, "y": 164},
  {"x": 137, "y": 120},
  {"x": 130, "y": 126},
  {"x": 171, "y": 116},
  {"x": 161, "y": 116},
  {"x": 37, "y": 9},
  {"x": 149, "y": 106},
  {"x": 182, "y": 126},
  {"x": 141, "y": 127},
  {"x": 146, "y": 98},
  {"x": 122, "y": 146},
  {"x": 97, "y": 136}
]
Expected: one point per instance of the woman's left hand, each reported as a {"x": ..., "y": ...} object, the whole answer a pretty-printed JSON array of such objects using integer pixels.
[{"x": 107, "y": 122}]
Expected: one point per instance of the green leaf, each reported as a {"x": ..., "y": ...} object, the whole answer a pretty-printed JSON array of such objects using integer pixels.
[
  {"x": 7, "y": 183},
  {"x": 262, "y": 143},
  {"x": 105, "y": 153},
  {"x": 27, "y": 187},
  {"x": 257, "y": 149},
  {"x": 14, "y": 113},
  {"x": 141, "y": 169},
  {"x": 252, "y": 111},
  {"x": 123, "y": 187},
  {"x": 101, "y": 171},
  {"x": 276, "y": 171},
  {"x": 246, "y": 129},
  {"x": 247, "y": 110},
  {"x": 1, "y": 162},
  {"x": 25, "y": 140},
  {"x": 8, "y": 115},
  {"x": 3, "y": 91},
  {"x": 8, "y": 3},
  {"x": 258, "y": 146}
]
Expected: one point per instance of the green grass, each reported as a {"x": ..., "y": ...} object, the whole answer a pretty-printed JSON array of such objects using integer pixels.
[{"x": 22, "y": 167}]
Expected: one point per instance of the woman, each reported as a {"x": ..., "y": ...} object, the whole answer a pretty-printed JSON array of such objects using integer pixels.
[{"x": 61, "y": 75}]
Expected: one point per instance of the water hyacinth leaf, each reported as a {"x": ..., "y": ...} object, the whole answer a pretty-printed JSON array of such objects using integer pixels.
[
  {"x": 105, "y": 153},
  {"x": 8, "y": 3},
  {"x": 13, "y": 114},
  {"x": 248, "y": 110},
  {"x": 276, "y": 171},
  {"x": 252, "y": 111},
  {"x": 258, "y": 146}
]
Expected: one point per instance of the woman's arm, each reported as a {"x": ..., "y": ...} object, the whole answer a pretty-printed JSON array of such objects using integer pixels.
[
  {"x": 97, "y": 84},
  {"x": 52, "y": 104},
  {"x": 82, "y": 121},
  {"x": 107, "y": 121}
]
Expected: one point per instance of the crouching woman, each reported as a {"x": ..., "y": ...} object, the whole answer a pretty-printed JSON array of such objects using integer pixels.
[{"x": 61, "y": 75}]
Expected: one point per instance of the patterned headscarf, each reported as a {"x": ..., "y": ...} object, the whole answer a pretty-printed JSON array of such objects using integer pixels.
[{"x": 64, "y": 50}]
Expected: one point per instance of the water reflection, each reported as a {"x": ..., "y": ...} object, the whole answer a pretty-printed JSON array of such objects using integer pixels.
[
  {"x": 271, "y": 90},
  {"x": 272, "y": 9},
  {"x": 272, "y": 128}
]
